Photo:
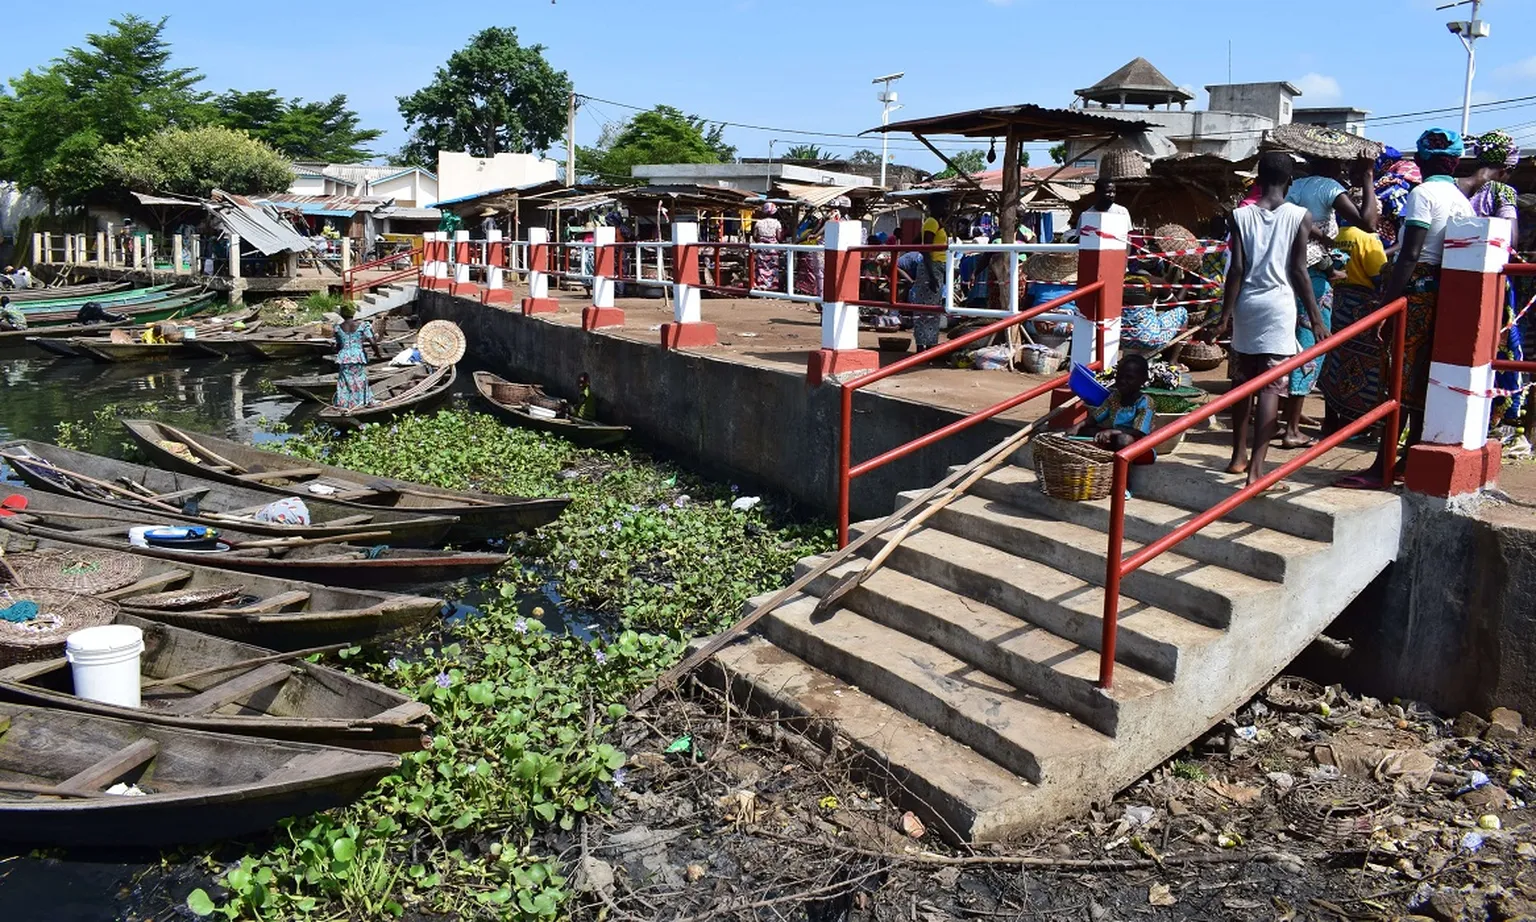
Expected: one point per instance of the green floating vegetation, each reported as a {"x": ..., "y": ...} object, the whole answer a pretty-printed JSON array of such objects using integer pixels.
[{"x": 524, "y": 714}]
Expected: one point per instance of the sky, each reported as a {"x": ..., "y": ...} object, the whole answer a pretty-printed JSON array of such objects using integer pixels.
[{"x": 806, "y": 65}]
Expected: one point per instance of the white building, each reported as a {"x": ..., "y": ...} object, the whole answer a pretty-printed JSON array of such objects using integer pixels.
[
  {"x": 751, "y": 176},
  {"x": 1231, "y": 126},
  {"x": 409, "y": 186},
  {"x": 461, "y": 175}
]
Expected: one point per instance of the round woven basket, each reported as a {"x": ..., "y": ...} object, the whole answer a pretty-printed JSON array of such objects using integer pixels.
[
  {"x": 1039, "y": 361},
  {"x": 1324, "y": 143},
  {"x": 59, "y": 615},
  {"x": 87, "y": 570},
  {"x": 1202, "y": 356},
  {"x": 1073, "y": 470},
  {"x": 1050, "y": 267},
  {"x": 441, "y": 343},
  {"x": 1123, "y": 163},
  {"x": 1171, "y": 237},
  {"x": 503, "y": 392}
]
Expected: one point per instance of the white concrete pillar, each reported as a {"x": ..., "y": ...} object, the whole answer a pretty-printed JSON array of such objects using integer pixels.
[
  {"x": 103, "y": 258},
  {"x": 686, "y": 300},
  {"x": 1459, "y": 400},
  {"x": 346, "y": 255},
  {"x": 39, "y": 253},
  {"x": 138, "y": 251},
  {"x": 494, "y": 273},
  {"x": 69, "y": 248},
  {"x": 234, "y": 255},
  {"x": 462, "y": 259},
  {"x": 48, "y": 248},
  {"x": 1101, "y": 256},
  {"x": 176, "y": 267},
  {"x": 840, "y": 320},
  {"x": 538, "y": 277},
  {"x": 604, "y": 266}
]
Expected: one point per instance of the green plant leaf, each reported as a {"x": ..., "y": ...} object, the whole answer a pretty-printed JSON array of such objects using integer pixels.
[
  {"x": 200, "y": 903},
  {"x": 344, "y": 849}
]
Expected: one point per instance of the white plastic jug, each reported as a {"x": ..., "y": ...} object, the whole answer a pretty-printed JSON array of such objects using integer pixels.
[{"x": 104, "y": 661}]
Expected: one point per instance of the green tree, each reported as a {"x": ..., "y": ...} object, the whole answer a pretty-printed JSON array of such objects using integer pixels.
[
  {"x": 195, "y": 161},
  {"x": 493, "y": 95},
  {"x": 969, "y": 162},
  {"x": 806, "y": 152},
  {"x": 660, "y": 135},
  {"x": 1059, "y": 153},
  {"x": 118, "y": 85},
  {"x": 325, "y": 131},
  {"x": 865, "y": 157}
]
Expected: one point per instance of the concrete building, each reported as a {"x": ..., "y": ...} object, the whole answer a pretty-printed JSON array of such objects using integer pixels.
[
  {"x": 408, "y": 186},
  {"x": 1231, "y": 126},
  {"x": 750, "y": 176},
  {"x": 1339, "y": 118},
  {"x": 460, "y": 175}
]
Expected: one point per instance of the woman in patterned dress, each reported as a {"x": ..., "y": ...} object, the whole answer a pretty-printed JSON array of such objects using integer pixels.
[{"x": 352, "y": 390}]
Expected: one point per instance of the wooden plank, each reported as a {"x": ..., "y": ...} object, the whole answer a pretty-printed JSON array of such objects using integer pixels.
[
  {"x": 230, "y": 690},
  {"x": 281, "y": 475},
  {"x": 181, "y": 494},
  {"x": 147, "y": 584},
  {"x": 361, "y": 519},
  {"x": 109, "y": 768},
  {"x": 273, "y": 603}
]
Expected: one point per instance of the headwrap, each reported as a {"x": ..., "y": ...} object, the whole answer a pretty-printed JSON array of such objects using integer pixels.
[
  {"x": 1440, "y": 142},
  {"x": 770, "y": 208},
  {"x": 1496, "y": 148}
]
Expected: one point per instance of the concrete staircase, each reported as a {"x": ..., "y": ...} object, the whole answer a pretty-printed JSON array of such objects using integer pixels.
[
  {"x": 386, "y": 298},
  {"x": 968, "y": 665}
]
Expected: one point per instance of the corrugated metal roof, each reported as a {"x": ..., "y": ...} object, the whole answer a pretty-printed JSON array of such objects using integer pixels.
[
  {"x": 409, "y": 214},
  {"x": 255, "y": 224},
  {"x": 514, "y": 191},
  {"x": 1031, "y": 122},
  {"x": 184, "y": 201},
  {"x": 336, "y": 205},
  {"x": 819, "y": 196}
]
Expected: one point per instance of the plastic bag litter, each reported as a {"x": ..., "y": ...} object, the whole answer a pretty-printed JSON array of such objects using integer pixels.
[
  {"x": 290, "y": 510},
  {"x": 411, "y": 356},
  {"x": 744, "y": 503},
  {"x": 992, "y": 358}
]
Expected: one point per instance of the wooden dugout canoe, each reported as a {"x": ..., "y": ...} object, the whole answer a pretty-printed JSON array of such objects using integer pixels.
[
  {"x": 138, "y": 490},
  {"x": 332, "y": 562},
  {"x": 322, "y": 388},
  {"x": 283, "y": 614},
  {"x": 55, "y": 767},
  {"x": 286, "y": 700},
  {"x": 583, "y": 432},
  {"x": 396, "y": 395},
  {"x": 481, "y": 516}
]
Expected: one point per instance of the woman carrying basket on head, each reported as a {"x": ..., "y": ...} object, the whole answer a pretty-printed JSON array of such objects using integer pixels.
[{"x": 352, "y": 389}]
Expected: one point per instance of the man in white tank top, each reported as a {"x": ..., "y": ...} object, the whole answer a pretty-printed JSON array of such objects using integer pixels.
[{"x": 1268, "y": 273}]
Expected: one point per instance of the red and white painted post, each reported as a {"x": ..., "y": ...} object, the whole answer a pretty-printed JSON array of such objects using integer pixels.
[
  {"x": 434, "y": 263},
  {"x": 538, "y": 300},
  {"x": 1455, "y": 456},
  {"x": 687, "y": 328},
  {"x": 1101, "y": 254},
  {"x": 463, "y": 262},
  {"x": 496, "y": 290},
  {"x": 605, "y": 268},
  {"x": 840, "y": 352}
]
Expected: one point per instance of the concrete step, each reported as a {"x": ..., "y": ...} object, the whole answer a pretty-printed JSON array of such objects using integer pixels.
[
  {"x": 1198, "y": 591},
  {"x": 1019, "y": 732},
  {"x": 1150, "y": 639},
  {"x": 1028, "y": 657},
  {"x": 959, "y": 793},
  {"x": 1247, "y": 548}
]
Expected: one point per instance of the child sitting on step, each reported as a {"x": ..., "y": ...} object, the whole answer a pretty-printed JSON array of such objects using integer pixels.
[{"x": 1127, "y": 415}]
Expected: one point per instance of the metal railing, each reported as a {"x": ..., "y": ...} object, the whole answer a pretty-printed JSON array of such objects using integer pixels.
[
  {"x": 847, "y": 470},
  {"x": 351, "y": 285},
  {"x": 1118, "y": 567}
]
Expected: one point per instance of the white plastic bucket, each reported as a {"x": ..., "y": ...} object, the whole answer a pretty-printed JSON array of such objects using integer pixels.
[
  {"x": 188, "y": 333},
  {"x": 104, "y": 661}
]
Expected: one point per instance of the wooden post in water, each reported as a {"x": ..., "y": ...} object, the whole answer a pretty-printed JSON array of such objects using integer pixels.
[{"x": 103, "y": 258}]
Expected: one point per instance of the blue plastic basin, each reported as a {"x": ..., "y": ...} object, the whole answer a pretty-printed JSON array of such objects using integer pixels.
[{"x": 1086, "y": 386}]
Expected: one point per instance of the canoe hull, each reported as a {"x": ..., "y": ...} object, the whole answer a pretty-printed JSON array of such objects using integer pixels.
[
  {"x": 481, "y": 516},
  {"x": 431, "y": 396},
  {"x": 582, "y": 433},
  {"x": 206, "y": 786}
]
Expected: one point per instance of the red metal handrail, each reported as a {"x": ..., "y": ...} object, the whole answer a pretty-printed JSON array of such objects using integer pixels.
[
  {"x": 1390, "y": 409},
  {"x": 846, "y": 470},
  {"x": 1513, "y": 365},
  {"x": 349, "y": 284}
]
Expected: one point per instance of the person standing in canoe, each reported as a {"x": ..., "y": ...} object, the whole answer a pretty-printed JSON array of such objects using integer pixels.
[{"x": 352, "y": 390}]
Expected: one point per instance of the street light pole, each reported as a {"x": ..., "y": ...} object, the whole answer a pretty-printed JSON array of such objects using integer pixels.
[
  {"x": 888, "y": 102},
  {"x": 1468, "y": 31}
]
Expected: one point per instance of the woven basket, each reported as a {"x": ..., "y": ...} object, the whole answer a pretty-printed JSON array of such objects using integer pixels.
[
  {"x": 1038, "y": 361},
  {"x": 1123, "y": 163},
  {"x": 506, "y": 392},
  {"x": 1171, "y": 237},
  {"x": 1202, "y": 356},
  {"x": 61, "y": 614},
  {"x": 87, "y": 570},
  {"x": 186, "y": 599},
  {"x": 1196, "y": 318},
  {"x": 441, "y": 343},
  {"x": 1073, "y": 470}
]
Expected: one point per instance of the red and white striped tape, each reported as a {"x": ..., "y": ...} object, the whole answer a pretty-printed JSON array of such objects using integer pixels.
[
  {"x": 1195, "y": 251},
  {"x": 1490, "y": 393}
]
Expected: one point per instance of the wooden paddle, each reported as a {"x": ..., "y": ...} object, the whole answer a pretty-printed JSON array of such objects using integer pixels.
[
  {"x": 245, "y": 664},
  {"x": 281, "y": 543},
  {"x": 82, "y": 478}
]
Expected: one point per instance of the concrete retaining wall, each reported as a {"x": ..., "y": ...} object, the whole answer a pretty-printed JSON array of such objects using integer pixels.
[
  {"x": 728, "y": 418},
  {"x": 1453, "y": 622}
]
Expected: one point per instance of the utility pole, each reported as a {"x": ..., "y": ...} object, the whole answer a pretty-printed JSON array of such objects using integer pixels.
[
  {"x": 888, "y": 103},
  {"x": 570, "y": 141},
  {"x": 1468, "y": 31}
]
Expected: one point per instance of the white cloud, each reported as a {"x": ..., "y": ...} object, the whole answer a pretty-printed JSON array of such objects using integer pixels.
[
  {"x": 1318, "y": 88},
  {"x": 1525, "y": 69}
]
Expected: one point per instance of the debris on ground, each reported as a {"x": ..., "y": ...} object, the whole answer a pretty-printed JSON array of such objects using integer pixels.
[{"x": 1330, "y": 806}]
